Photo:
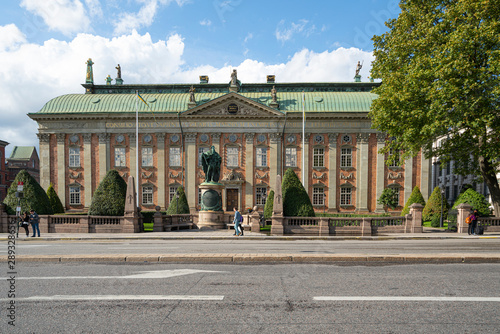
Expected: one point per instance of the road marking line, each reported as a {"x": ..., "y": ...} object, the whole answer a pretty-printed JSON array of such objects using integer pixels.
[
  {"x": 410, "y": 299},
  {"x": 117, "y": 297}
]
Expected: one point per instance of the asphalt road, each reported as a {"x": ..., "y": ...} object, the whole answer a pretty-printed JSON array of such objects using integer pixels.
[
  {"x": 242, "y": 246},
  {"x": 231, "y": 298}
]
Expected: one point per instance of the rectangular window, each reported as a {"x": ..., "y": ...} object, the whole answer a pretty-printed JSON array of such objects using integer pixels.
[
  {"x": 119, "y": 156},
  {"x": 291, "y": 157},
  {"x": 232, "y": 157},
  {"x": 261, "y": 157},
  {"x": 318, "y": 196},
  {"x": 74, "y": 195},
  {"x": 147, "y": 195},
  {"x": 175, "y": 157},
  {"x": 319, "y": 157},
  {"x": 346, "y": 157},
  {"x": 171, "y": 193},
  {"x": 74, "y": 157},
  {"x": 147, "y": 157},
  {"x": 201, "y": 150},
  {"x": 260, "y": 195},
  {"x": 395, "y": 154},
  {"x": 345, "y": 196},
  {"x": 397, "y": 192}
]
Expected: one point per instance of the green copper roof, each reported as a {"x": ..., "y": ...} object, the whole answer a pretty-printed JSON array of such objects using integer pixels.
[
  {"x": 178, "y": 102},
  {"x": 22, "y": 152}
]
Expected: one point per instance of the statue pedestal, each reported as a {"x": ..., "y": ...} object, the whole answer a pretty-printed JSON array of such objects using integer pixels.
[
  {"x": 211, "y": 215},
  {"x": 357, "y": 78}
]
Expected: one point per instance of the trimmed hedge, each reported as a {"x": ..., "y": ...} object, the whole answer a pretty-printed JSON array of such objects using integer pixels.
[
  {"x": 433, "y": 206},
  {"x": 109, "y": 198},
  {"x": 296, "y": 201},
  {"x": 34, "y": 196},
  {"x": 54, "y": 200},
  {"x": 181, "y": 202},
  {"x": 268, "y": 208},
  {"x": 478, "y": 202},
  {"x": 415, "y": 197}
]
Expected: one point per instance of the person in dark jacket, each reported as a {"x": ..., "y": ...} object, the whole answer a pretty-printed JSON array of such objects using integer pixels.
[
  {"x": 473, "y": 224},
  {"x": 34, "y": 223},
  {"x": 25, "y": 222}
]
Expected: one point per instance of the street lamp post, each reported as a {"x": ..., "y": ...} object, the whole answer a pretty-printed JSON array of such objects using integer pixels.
[{"x": 441, "y": 220}]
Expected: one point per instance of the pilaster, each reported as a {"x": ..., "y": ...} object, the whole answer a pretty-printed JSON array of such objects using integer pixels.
[
  {"x": 305, "y": 156},
  {"x": 379, "y": 187},
  {"x": 275, "y": 154},
  {"x": 332, "y": 165},
  {"x": 249, "y": 172},
  {"x": 87, "y": 169},
  {"x": 61, "y": 168},
  {"x": 425, "y": 172},
  {"x": 160, "y": 164},
  {"x": 44, "y": 140},
  {"x": 408, "y": 179},
  {"x": 362, "y": 172},
  {"x": 190, "y": 168},
  {"x": 103, "y": 154}
]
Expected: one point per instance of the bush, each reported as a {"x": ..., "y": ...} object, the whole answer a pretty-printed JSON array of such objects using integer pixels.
[
  {"x": 436, "y": 221},
  {"x": 109, "y": 198},
  {"x": 268, "y": 208},
  {"x": 478, "y": 202},
  {"x": 181, "y": 203},
  {"x": 34, "y": 196},
  {"x": 54, "y": 200},
  {"x": 415, "y": 197},
  {"x": 389, "y": 198},
  {"x": 296, "y": 202},
  {"x": 433, "y": 206},
  {"x": 452, "y": 217}
]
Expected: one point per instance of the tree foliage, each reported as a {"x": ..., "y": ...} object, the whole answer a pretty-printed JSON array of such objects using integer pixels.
[
  {"x": 296, "y": 201},
  {"x": 109, "y": 197},
  {"x": 439, "y": 64},
  {"x": 433, "y": 206},
  {"x": 268, "y": 208},
  {"x": 178, "y": 205},
  {"x": 54, "y": 200},
  {"x": 415, "y": 197},
  {"x": 34, "y": 196},
  {"x": 478, "y": 202},
  {"x": 389, "y": 198}
]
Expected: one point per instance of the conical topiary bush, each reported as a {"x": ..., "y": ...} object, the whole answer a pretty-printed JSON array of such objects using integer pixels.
[
  {"x": 296, "y": 201},
  {"x": 34, "y": 196},
  {"x": 433, "y": 206},
  {"x": 415, "y": 197},
  {"x": 180, "y": 205},
  {"x": 54, "y": 200},
  {"x": 478, "y": 202},
  {"x": 109, "y": 198}
]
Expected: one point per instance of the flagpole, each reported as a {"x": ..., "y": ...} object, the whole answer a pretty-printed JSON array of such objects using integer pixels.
[
  {"x": 137, "y": 146},
  {"x": 303, "y": 136}
]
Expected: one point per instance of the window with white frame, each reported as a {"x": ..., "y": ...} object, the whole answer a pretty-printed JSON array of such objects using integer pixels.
[
  {"x": 201, "y": 150},
  {"x": 318, "y": 196},
  {"x": 74, "y": 157},
  {"x": 318, "y": 157},
  {"x": 260, "y": 195},
  {"x": 147, "y": 157},
  {"x": 120, "y": 157},
  {"x": 74, "y": 195},
  {"x": 261, "y": 157},
  {"x": 395, "y": 154},
  {"x": 147, "y": 195},
  {"x": 346, "y": 157},
  {"x": 171, "y": 193},
  {"x": 175, "y": 157},
  {"x": 291, "y": 157},
  {"x": 345, "y": 196},
  {"x": 232, "y": 157}
]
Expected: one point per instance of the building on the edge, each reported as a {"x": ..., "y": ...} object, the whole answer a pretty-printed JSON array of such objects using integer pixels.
[
  {"x": 255, "y": 127},
  {"x": 23, "y": 157},
  {"x": 3, "y": 171}
]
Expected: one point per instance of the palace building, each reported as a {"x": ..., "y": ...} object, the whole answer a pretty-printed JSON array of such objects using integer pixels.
[{"x": 256, "y": 128}]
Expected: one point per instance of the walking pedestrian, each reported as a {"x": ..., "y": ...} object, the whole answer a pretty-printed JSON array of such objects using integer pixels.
[
  {"x": 473, "y": 224},
  {"x": 237, "y": 221},
  {"x": 34, "y": 223}
]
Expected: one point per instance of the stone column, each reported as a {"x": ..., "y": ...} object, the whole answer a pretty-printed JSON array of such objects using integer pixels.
[
  {"x": 131, "y": 152},
  {"x": 275, "y": 151},
  {"x": 332, "y": 175},
  {"x": 408, "y": 179},
  {"x": 463, "y": 212},
  {"x": 190, "y": 168},
  {"x": 160, "y": 164},
  {"x": 44, "y": 139},
  {"x": 305, "y": 156},
  {"x": 87, "y": 169},
  {"x": 425, "y": 173},
  {"x": 249, "y": 172},
  {"x": 277, "y": 227},
  {"x": 416, "y": 217},
  {"x": 362, "y": 172},
  {"x": 104, "y": 139},
  {"x": 61, "y": 168},
  {"x": 380, "y": 175},
  {"x": 157, "y": 220}
]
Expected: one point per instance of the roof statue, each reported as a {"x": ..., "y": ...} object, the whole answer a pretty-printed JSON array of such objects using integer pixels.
[
  {"x": 210, "y": 161},
  {"x": 191, "y": 95},
  {"x": 108, "y": 80},
  {"x": 358, "y": 68},
  {"x": 89, "y": 79},
  {"x": 273, "y": 94},
  {"x": 234, "y": 78},
  {"x": 119, "y": 72}
]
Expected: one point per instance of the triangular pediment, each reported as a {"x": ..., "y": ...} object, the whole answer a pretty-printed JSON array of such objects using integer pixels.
[{"x": 233, "y": 105}]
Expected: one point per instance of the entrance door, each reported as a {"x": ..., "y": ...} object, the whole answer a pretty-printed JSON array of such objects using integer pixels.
[{"x": 232, "y": 199}]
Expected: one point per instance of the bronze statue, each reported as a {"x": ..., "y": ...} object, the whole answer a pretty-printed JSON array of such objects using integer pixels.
[
  {"x": 191, "y": 95},
  {"x": 358, "y": 68},
  {"x": 119, "y": 74},
  {"x": 273, "y": 94},
  {"x": 211, "y": 161}
]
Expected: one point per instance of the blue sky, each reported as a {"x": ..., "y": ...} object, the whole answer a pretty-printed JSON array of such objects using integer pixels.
[{"x": 44, "y": 45}]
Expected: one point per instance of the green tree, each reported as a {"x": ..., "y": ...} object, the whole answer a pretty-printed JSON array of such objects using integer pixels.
[
  {"x": 415, "y": 197},
  {"x": 439, "y": 64},
  {"x": 268, "y": 208},
  {"x": 54, "y": 200},
  {"x": 296, "y": 202},
  {"x": 109, "y": 197},
  {"x": 178, "y": 205},
  {"x": 433, "y": 206},
  {"x": 478, "y": 202},
  {"x": 34, "y": 196},
  {"x": 389, "y": 198}
]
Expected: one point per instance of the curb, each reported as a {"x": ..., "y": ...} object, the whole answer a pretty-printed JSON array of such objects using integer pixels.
[{"x": 260, "y": 258}]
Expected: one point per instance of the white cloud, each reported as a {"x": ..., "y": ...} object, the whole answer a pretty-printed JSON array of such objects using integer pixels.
[
  {"x": 94, "y": 7},
  {"x": 33, "y": 74},
  {"x": 66, "y": 16},
  {"x": 10, "y": 37},
  {"x": 284, "y": 34},
  {"x": 206, "y": 22}
]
